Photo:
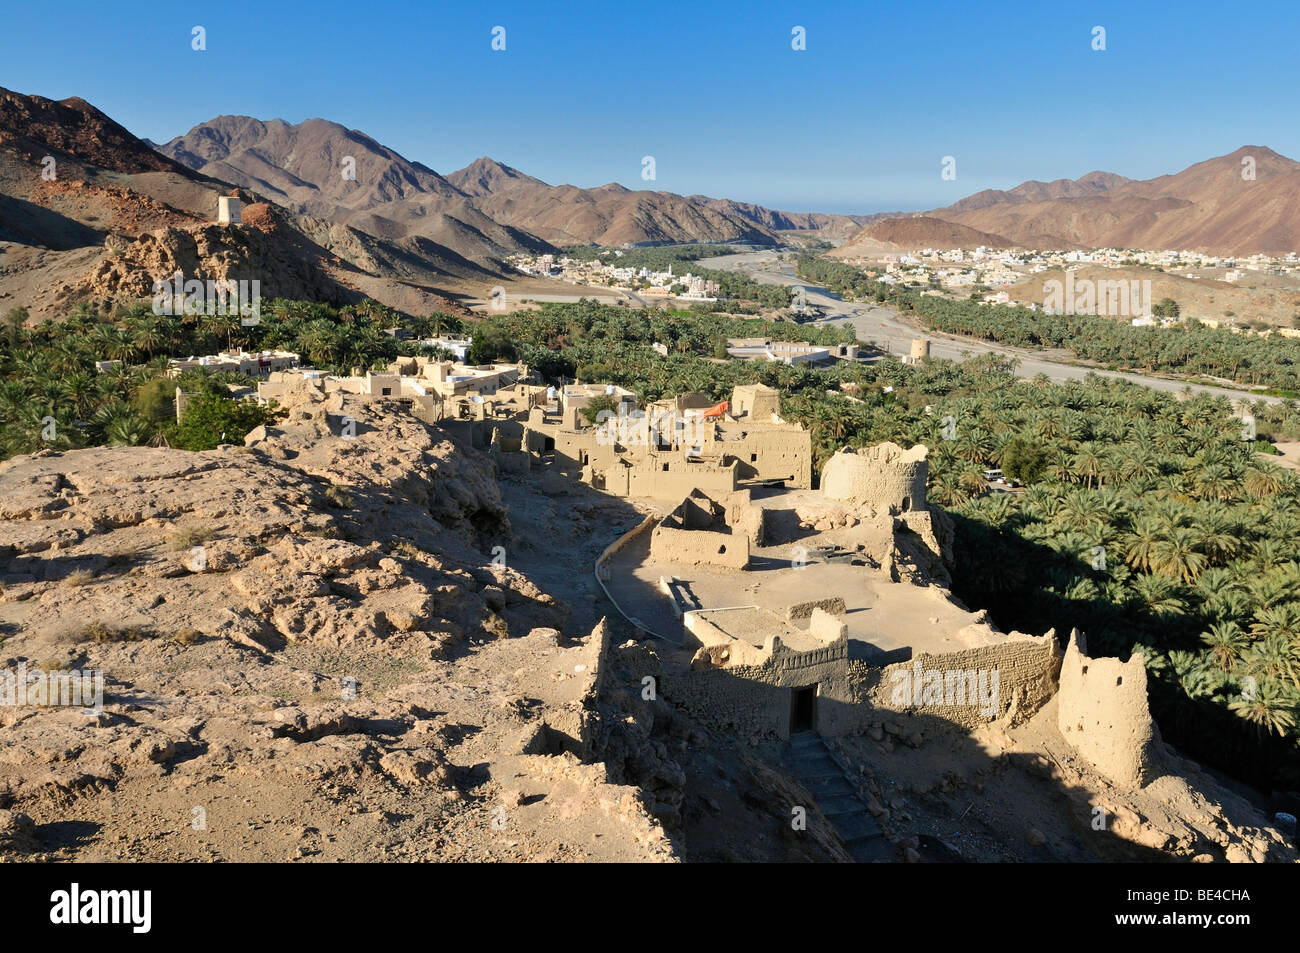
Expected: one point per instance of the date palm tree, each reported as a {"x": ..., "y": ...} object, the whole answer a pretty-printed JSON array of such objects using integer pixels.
[
  {"x": 1178, "y": 554},
  {"x": 1159, "y": 595},
  {"x": 1269, "y": 707},
  {"x": 1226, "y": 643},
  {"x": 1262, "y": 480},
  {"x": 148, "y": 337},
  {"x": 1271, "y": 658},
  {"x": 1215, "y": 482},
  {"x": 1140, "y": 545}
]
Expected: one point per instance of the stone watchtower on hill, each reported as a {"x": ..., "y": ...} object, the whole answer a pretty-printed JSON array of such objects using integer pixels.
[
  {"x": 228, "y": 210},
  {"x": 1102, "y": 710}
]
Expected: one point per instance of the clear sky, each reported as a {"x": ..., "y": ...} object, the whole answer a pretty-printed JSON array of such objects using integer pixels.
[{"x": 859, "y": 121}]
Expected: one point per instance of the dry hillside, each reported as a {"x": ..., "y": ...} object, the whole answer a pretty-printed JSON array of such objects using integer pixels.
[
  {"x": 484, "y": 210},
  {"x": 913, "y": 232},
  {"x": 314, "y": 686},
  {"x": 1208, "y": 207},
  {"x": 310, "y": 653},
  {"x": 116, "y": 216},
  {"x": 1255, "y": 298}
]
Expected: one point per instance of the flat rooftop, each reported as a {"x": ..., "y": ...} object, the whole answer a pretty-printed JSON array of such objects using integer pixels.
[{"x": 887, "y": 621}]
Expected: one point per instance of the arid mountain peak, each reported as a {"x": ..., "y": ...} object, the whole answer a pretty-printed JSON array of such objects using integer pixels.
[
  {"x": 35, "y": 126},
  {"x": 491, "y": 207},
  {"x": 486, "y": 176},
  {"x": 117, "y": 215},
  {"x": 314, "y": 166}
]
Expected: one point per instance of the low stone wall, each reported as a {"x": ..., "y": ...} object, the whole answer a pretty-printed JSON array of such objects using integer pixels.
[
  {"x": 804, "y": 610},
  {"x": 645, "y": 526},
  {"x": 694, "y": 547},
  {"x": 602, "y": 570},
  {"x": 721, "y": 647},
  {"x": 676, "y": 590},
  {"x": 519, "y": 461},
  {"x": 1011, "y": 679},
  {"x": 571, "y": 726},
  {"x": 755, "y": 700}
]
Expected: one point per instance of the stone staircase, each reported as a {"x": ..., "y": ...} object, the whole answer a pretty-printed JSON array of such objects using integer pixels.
[{"x": 817, "y": 768}]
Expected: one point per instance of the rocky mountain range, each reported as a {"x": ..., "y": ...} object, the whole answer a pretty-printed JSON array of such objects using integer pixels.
[
  {"x": 321, "y": 169},
  {"x": 488, "y": 207},
  {"x": 913, "y": 231},
  {"x": 1243, "y": 203},
  {"x": 90, "y": 212},
  {"x": 1237, "y": 204}
]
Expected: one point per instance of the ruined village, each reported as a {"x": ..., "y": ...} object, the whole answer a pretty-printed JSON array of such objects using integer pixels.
[{"x": 563, "y": 626}]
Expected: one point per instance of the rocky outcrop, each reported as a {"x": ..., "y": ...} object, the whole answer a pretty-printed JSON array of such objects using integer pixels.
[{"x": 306, "y": 619}]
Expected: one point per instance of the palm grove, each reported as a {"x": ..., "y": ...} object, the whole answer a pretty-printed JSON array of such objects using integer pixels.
[{"x": 51, "y": 395}]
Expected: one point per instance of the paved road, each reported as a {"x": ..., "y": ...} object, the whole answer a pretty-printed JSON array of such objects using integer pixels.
[{"x": 890, "y": 330}]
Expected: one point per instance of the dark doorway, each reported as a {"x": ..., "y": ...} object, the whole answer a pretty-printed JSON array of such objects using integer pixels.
[{"x": 803, "y": 709}]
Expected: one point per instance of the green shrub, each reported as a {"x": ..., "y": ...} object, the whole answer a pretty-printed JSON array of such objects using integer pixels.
[
  {"x": 188, "y": 537},
  {"x": 338, "y": 497}
]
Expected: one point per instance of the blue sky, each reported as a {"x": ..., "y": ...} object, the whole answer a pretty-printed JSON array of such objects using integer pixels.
[{"x": 857, "y": 122}]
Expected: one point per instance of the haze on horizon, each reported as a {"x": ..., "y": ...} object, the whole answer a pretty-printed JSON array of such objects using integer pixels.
[{"x": 857, "y": 122}]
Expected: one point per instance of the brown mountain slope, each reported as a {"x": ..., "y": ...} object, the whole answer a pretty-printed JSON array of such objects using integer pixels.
[
  {"x": 484, "y": 211},
  {"x": 614, "y": 215},
  {"x": 308, "y": 166},
  {"x": 827, "y": 226},
  {"x": 33, "y": 127},
  {"x": 485, "y": 176},
  {"x": 117, "y": 216},
  {"x": 912, "y": 232},
  {"x": 1094, "y": 183},
  {"x": 605, "y": 215},
  {"x": 325, "y": 170},
  {"x": 1207, "y": 207}
]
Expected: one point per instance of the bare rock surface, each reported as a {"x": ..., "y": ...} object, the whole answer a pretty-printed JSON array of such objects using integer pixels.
[{"x": 307, "y": 653}]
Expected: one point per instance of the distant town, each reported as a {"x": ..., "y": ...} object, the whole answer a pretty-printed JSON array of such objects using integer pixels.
[{"x": 641, "y": 281}]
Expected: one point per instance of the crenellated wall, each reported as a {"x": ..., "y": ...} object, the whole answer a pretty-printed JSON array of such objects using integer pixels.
[{"x": 752, "y": 692}]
